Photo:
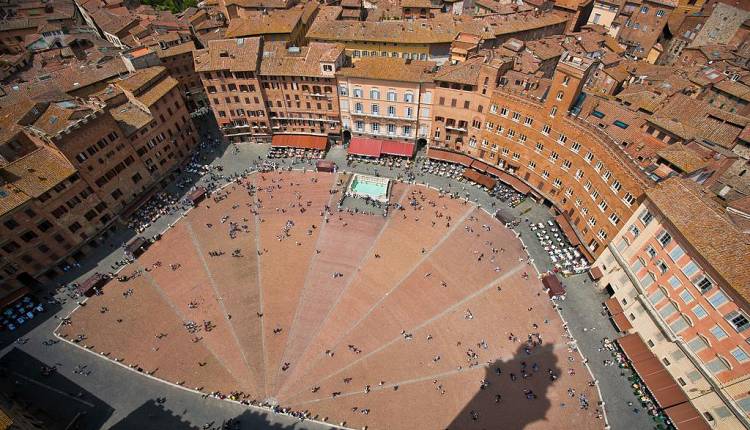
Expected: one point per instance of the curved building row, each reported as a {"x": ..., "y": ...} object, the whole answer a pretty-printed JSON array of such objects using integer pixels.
[{"x": 531, "y": 131}]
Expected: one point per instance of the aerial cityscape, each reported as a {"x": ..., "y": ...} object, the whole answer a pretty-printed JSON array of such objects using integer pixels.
[{"x": 375, "y": 214}]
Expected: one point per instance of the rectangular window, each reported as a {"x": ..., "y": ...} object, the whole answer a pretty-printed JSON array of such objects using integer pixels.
[
  {"x": 718, "y": 332},
  {"x": 29, "y": 236},
  {"x": 674, "y": 282},
  {"x": 637, "y": 266},
  {"x": 697, "y": 344},
  {"x": 647, "y": 280},
  {"x": 700, "y": 312},
  {"x": 689, "y": 269},
  {"x": 703, "y": 283},
  {"x": 628, "y": 199},
  {"x": 634, "y": 230},
  {"x": 679, "y": 324},
  {"x": 646, "y": 217},
  {"x": 614, "y": 219},
  {"x": 667, "y": 310},
  {"x": 738, "y": 320},
  {"x": 718, "y": 299},
  {"x": 656, "y": 296},
  {"x": 662, "y": 266},
  {"x": 686, "y": 296},
  {"x": 676, "y": 253},
  {"x": 664, "y": 238},
  {"x": 740, "y": 355}
]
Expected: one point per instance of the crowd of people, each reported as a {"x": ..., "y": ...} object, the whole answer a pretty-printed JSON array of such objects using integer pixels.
[{"x": 214, "y": 178}]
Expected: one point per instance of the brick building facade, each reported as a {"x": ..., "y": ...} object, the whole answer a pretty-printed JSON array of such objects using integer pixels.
[
  {"x": 257, "y": 89},
  {"x": 566, "y": 161},
  {"x": 387, "y": 98},
  {"x": 677, "y": 271},
  {"x": 68, "y": 169}
]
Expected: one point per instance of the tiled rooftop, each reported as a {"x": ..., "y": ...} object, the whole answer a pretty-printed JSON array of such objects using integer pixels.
[
  {"x": 281, "y": 21},
  {"x": 306, "y": 62},
  {"x": 390, "y": 69},
  {"x": 712, "y": 233},
  {"x": 131, "y": 117},
  {"x": 156, "y": 92},
  {"x": 683, "y": 158},
  {"x": 141, "y": 78},
  {"x": 31, "y": 176},
  {"x": 236, "y": 55}
]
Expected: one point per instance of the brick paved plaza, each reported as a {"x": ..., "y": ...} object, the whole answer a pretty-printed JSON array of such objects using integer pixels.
[{"x": 407, "y": 318}]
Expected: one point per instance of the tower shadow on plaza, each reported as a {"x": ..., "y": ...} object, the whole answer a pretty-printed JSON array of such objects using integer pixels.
[{"x": 514, "y": 410}]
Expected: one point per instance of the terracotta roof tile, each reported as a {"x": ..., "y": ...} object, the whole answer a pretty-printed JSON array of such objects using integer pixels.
[
  {"x": 156, "y": 92},
  {"x": 697, "y": 119},
  {"x": 131, "y": 117},
  {"x": 683, "y": 158},
  {"x": 259, "y": 4},
  {"x": 141, "y": 78},
  {"x": 281, "y": 62},
  {"x": 466, "y": 72},
  {"x": 237, "y": 55},
  {"x": 275, "y": 21},
  {"x": 734, "y": 88},
  {"x": 390, "y": 69},
  {"x": 721, "y": 244},
  {"x": 180, "y": 49},
  {"x": 31, "y": 176}
]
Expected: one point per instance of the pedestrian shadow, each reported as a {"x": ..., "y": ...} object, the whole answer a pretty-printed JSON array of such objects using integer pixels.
[
  {"x": 155, "y": 415},
  {"x": 522, "y": 400}
]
